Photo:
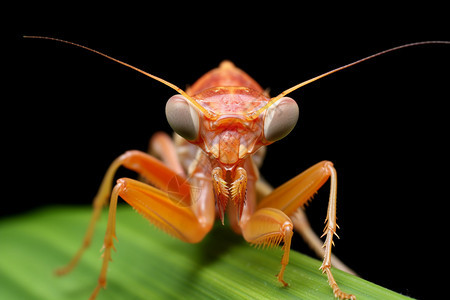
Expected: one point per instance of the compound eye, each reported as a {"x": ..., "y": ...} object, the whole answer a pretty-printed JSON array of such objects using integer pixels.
[
  {"x": 182, "y": 117},
  {"x": 280, "y": 119}
]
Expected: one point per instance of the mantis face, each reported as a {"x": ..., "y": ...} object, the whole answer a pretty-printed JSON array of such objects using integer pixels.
[{"x": 228, "y": 131}]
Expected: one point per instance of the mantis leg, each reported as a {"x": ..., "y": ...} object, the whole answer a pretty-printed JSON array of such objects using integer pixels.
[
  {"x": 167, "y": 204},
  {"x": 160, "y": 209},
  {"x": 148, "y": 167},
  {"x": 303, "y": 227},
  {"x": 270, "y": 227},
  {"x": 295, "y": 193}
]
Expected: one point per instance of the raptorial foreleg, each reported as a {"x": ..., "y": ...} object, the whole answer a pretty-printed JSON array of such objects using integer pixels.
[
  {"x": 295, "y": 193},
  {"x": 269, "y": 227}
]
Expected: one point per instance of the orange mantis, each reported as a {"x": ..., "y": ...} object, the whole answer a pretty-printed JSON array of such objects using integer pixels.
[{"x": 222, "y": 123}]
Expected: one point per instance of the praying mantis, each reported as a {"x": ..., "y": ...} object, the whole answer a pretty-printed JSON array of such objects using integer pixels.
[{"x": 222, "y": 124}]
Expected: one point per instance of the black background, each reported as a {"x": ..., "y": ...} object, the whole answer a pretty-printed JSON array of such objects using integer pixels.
[{"x": 383, "y": 123}]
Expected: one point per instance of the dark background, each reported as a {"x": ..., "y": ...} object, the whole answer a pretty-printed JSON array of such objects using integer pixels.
[{"x": 383, "y": 123}]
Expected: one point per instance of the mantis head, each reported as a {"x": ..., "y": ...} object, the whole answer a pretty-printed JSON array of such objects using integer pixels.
[
  {"x": 229, "y": 128},
  {"x": 231, "y": 123}
]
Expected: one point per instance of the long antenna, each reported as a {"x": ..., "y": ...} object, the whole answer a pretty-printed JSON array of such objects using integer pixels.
[
  {"x": 295, "y": 87},
  {"x": 179, "y": 90}
]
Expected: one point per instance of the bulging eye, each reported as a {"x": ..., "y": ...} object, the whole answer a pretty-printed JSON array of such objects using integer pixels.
[
  {"x": 280, "y": 119},
  {"x": 182, "y": 117}
]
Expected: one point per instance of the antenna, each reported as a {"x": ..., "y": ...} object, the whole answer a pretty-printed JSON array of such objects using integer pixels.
[
  {"x": 295, "y": 87},
  {"x": 171, "y": 85}
]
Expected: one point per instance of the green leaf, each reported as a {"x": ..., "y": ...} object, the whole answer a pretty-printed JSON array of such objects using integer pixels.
[{"x": 151, "y": 265}]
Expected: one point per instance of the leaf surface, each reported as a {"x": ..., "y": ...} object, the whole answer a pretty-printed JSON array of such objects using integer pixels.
[{"x": 152, "y": 265}]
